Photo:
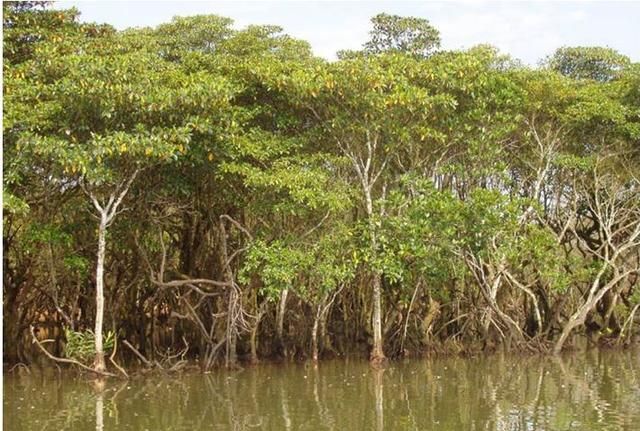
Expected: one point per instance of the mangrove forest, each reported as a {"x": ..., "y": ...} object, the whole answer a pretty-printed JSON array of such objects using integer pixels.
[{"x": 198, "y": 194}]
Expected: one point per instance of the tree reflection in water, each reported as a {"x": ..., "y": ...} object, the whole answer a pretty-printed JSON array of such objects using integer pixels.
[{"x": 593, "y": 391}]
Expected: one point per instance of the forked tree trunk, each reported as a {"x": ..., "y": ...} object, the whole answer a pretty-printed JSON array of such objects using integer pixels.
[
  {"x": 107, "y": 213},
  {"x": 578, "y": 318}
]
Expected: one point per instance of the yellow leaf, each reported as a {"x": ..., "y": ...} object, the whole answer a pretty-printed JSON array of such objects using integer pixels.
[{"x": 210, "y": 157}]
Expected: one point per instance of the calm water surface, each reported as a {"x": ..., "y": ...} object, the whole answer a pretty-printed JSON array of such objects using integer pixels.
[{"x": 596, "y": 390}]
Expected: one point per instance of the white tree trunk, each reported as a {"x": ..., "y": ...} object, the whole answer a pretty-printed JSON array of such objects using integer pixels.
[
  {"x": 377, "y": 353},
  {"x": 314, "y": 337},
  {"x": 107, "y": 212},
  {"x": 282, "y": 306},
  {"x": 368, "y": 171},
  {"x": 102, "y": 231}
]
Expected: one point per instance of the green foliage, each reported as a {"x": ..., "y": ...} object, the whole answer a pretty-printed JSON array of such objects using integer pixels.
[
  {"x": 277, "y": 264},
  {"x": 48, "y": 234},
  {"x": 310, "y": 270},
  {"x": 200, "y": 33},
  {"x": 300, "y": 184},
  {"x": 414, "y": 36},
  {"x": 77, "y": 264},
  {"x": 13, "y": 204},
  {"x": 80, "y": 345},
  {"x": 591, "y": 62},
  {"x": 29, "y": 24},
  {"x": 95, "y": 115},
  {"x": 419, "y": 239},
  {"x": 571, "y": 161}
]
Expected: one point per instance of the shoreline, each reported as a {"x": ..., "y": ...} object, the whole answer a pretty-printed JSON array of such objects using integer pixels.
[{"x": 192, "y": 367}]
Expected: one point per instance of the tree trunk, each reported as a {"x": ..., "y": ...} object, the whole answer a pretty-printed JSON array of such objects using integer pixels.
[
  {"x": 232, "y": 348},
  {"x": 232, "y": 328},
  {"x": 377, "y": 354},
  {"x": 280, "y": 320},
  {"x": 99, "y": 359},
  {"x": 107, "y": 213},
  {"x": 254, "y": 334},
  {"x": 254, "y": 344},
  {"x": 578, "y": 318},
  {"x": 314, "y": 332}
]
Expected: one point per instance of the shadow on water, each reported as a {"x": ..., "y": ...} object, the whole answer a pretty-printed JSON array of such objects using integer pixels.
[{"x": 595, "y": 390}]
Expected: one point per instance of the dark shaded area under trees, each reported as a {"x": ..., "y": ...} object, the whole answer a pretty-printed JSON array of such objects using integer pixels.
[{"x": 194, "y": 191}]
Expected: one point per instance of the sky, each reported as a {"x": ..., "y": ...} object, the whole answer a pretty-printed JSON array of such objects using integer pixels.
[{"x": 527, "y": 30}]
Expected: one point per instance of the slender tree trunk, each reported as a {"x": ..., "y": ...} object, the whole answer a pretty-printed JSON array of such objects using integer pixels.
[
  {"x": 282, "y": 306},
  {"x": 254, "y": 344},
  {"x": 107, "y": 212},
  {"x": 234, "y": 308},
  {"x": 232, "y": 345},
  {"x": 99, "y": 359},
  {"x": 314, "y": 332},
  {"x": 232, "y": 328},
  {"x": 377, "y": 354},
  {"x": 254, "y": 334}
]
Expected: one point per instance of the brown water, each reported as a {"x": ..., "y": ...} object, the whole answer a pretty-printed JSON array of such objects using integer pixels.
[{"x": 596, "y": 390}]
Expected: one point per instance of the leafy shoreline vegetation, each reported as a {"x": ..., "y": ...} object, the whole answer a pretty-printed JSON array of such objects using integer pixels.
[{"x": 204, "y": 192}]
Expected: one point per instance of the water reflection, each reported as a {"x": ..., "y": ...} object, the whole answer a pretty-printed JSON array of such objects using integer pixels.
[
  {"x": 377, "y": 379},
  {"x": 99, "y": 412},
  {"x": 597, "y": 390}
]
